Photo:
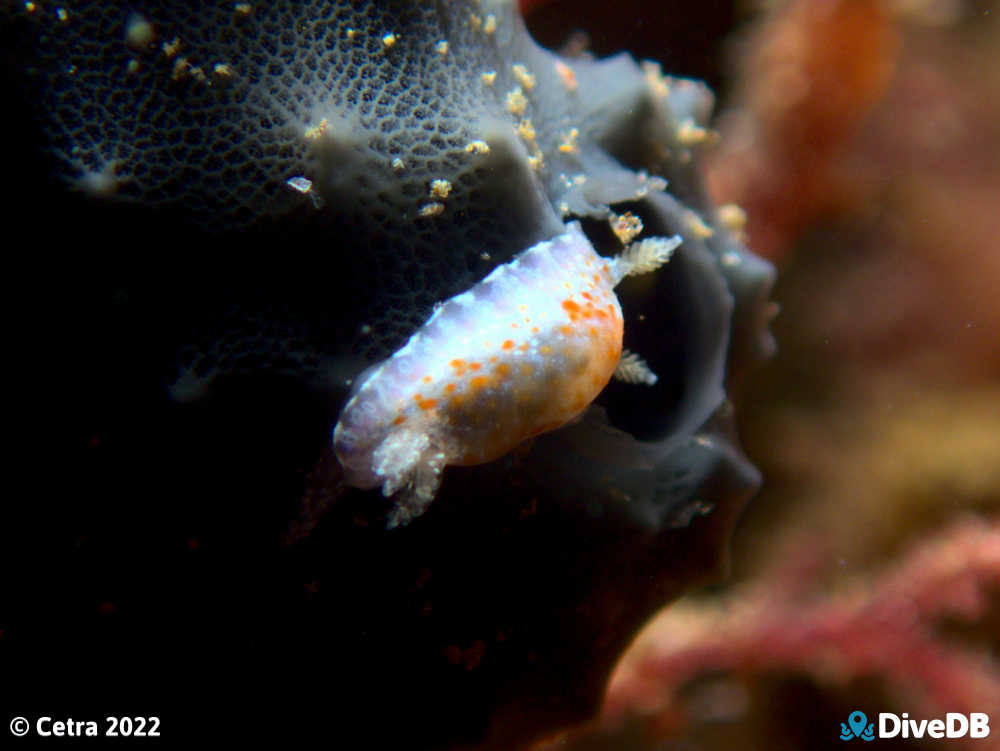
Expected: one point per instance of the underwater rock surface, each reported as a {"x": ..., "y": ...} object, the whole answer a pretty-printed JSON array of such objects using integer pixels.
[{"x": 281, "y": 192}]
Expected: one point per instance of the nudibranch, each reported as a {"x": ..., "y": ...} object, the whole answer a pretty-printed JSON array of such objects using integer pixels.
[{"x": 522, "y": 352}]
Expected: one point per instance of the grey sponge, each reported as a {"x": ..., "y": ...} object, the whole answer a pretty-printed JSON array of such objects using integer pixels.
[{"x": 416, "y": 145}]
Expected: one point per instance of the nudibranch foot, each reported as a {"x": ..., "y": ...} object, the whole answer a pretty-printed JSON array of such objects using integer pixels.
[{"x": 523, "y": 352}]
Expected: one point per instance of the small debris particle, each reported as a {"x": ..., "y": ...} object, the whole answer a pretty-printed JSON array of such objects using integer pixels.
[
  {"x": 733, "y": 218},
  {"x": 651, "y": 183},
  {"x": 389, "y": 40},
  {"x": 243, "y": 9},
  {"x": 430, "y": 209},
  {"x": 516, "y": 103},
  {"x": 170, "y": 48},
  {"x": 439, "y": 188},
  {"x": 299, "y": 183},
  {"x": 484, "y": 256},
  {"x": 62, "y": 15},
  {"x": 526, "y": 130},
  {"x": 536, "y": 160},
  {"x": 477, "y": 147},
  {"x": 133, "y": 67},
  {"x": 30, "y": 7},
  {"x": 655, "y": 78},
  {"x": 222, "y": 72},
  {"x": 526, "y": 79},
  {"x": 198, "y": 74},
  {"x": 317, "y": 130},
  {"x": 569, "y": 144},
  {"x": 566, "y": 75},
  {"x": 563, "y": 208},
  {"x": 398, "y": 164},
  {"x": 303, "y": 185},
  {"x": 491, "y": 24},
  {"x": 626, "y": 226},
  {"x": 697, "y": 226},
  {"x": 690, "y": 133},
  {"x": 441, "y": 48},
  {"x": 489, "y": 77},
  {"x": 366, "y": 329},
  {"x": 351, "y": 34},
  {"x": 139, "y": 32},
  {"x": 475, "y": 21},
  {"x": 181, "y": 68},
  {"x": 579, "y": 179}
]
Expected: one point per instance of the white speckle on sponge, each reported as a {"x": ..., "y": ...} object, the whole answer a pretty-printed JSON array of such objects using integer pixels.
[
  {"x": 439, "y": 188},
  {"x": 139, "y": 32},
  {"x": 430, "y": 209}
]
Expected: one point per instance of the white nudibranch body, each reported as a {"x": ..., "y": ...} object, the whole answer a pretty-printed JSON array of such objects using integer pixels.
[{"x": 522, "y": 352}]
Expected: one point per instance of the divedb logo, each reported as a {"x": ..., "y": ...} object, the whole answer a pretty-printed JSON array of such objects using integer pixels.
[{"x": 954, "y": 725}]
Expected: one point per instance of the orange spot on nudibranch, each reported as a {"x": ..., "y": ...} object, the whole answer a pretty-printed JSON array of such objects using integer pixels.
[
  {"x": 449, "y": 388},
  {"x": 427, "y": 379},
  {"x": 534, "y": 329},
  {"x": 503, "y": 369},
  {"x": 566, "y": 330},
  {"x": 424, "y": 403},
  {"x": 494, "y": 358},
  {"x": 545, "y": 349},
  {"x": 479, "y": 382},
  {"x": 508, "y": 344},
  {"x": 399, "y": 420},
  {"x": 572, "y": 308},
  {"x": 474, "y": 366},
  {"x": 456, "y": 363}
]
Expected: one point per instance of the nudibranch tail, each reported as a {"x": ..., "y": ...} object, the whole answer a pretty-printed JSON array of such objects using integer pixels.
[{"x": 522, "y": 352}]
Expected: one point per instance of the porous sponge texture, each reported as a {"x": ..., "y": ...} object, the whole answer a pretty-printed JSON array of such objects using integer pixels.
[
  {"x": 371, "y": 102},
  {"x": 435, "y": 138}
]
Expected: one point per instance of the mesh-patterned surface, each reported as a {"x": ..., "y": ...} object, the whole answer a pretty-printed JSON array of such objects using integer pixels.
[{"x": 380, "y": 157}]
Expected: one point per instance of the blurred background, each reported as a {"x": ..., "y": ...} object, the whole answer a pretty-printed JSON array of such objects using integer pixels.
[{"x": 862, "y": 140}]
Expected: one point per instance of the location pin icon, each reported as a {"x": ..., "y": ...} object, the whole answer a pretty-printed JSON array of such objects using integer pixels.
[{"x": 857, "y": 721}]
